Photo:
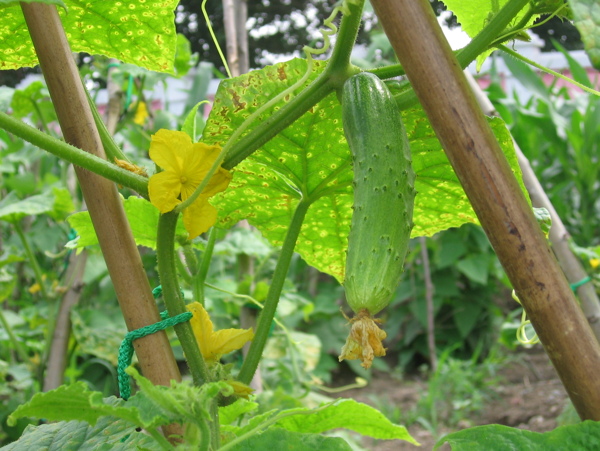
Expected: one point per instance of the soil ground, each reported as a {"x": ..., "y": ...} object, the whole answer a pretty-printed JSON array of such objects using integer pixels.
[{"x": 529, "y": 396}]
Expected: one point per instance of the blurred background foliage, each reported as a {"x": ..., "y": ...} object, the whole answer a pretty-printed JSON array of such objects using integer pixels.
[
  {"x": 279, "y": 30},
  {"x": 474, "y": 316}
]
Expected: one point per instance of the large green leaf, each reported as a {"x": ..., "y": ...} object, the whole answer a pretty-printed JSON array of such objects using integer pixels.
[
  {"x": 348, "y": 414},
  {"x": 137, "y": 32},
  {"x": 78, "y": 402},
  {"x": 581, "y": 437},
  {"x": 587, "y": 20},
  {"x": 12, "y": 209},
  {"x": 311, "y": 160},
  {"x": 108, "y": 434}
]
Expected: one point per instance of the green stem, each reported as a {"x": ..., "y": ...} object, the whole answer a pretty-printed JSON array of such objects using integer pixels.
[
  {"x": 74, "y": 155},
  {"x": 23, "y": 357},
  {"x": 339, "y": 67},
  {"x": 484, "y": 39},
  {"x": 162, "y": 441},
  {"x": 215, "y": 427},
  {"x": 337, "y": 71},
  {"x": 385, "y": 72},
  {"x": 277, "y": 122},
  {"x": 39, "y": 277},
  {"x": 547, "y": 70},
  {"x": 110, "y": 146},
  {"x": 514, "y": 31},
  {"x": 467, "y": 54},
  {"x": 165, "y": 254},
  {"x": 205, "y": 436},
  {"x": 200, "y": 277},
  {"x": 490, "y": 32},
  {"x": 266, "y": 316},
  {"x": 183, "y": 271},
  {"x": 40, "y": 115}
]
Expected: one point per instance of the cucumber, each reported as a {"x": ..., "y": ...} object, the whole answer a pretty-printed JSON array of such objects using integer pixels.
[{"x": 383, "y": 208}]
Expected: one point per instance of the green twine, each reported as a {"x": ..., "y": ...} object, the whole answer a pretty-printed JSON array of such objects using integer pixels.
[
  {"x": 583, "y": 281},
  {"x": 126, "y": 348},
  {"x": 157, "y": 292}
]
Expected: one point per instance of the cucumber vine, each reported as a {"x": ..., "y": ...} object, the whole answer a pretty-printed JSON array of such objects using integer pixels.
[{"x": 245, "y": 140}]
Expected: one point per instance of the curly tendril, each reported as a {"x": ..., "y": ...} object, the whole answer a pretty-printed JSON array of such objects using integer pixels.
[
  {"x": 521, "y": 332},
  {"x": 326, "y": 33}
]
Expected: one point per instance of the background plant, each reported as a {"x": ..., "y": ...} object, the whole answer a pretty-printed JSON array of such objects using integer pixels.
[
  {"x": 290, "y": 186},
  {"x": 557, "y": 131}
]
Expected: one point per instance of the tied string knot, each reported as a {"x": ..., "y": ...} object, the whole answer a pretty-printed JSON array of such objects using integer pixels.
[{"x": 126, "y": 348}]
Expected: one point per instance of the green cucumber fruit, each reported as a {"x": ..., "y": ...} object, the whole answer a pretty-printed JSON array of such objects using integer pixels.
[{"x": 384, "y": 193}]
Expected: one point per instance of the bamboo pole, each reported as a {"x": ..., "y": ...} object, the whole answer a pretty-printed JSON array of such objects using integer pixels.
[
  {"x": 114, "y": 234},
  {"x": 496, "y": 197},
  {"x": 559, "y": 235}
]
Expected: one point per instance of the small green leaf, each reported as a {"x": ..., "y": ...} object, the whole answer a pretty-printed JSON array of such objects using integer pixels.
[
  {"x": 348, "y": 414},
  {"x": 583, "y": 436},
  {"x": 475, "y": 267},
  {"x": 280, "y": 439},
  {"x": 7, "y": 259},
  {"x": 108, "y": 434},
  {"x": 586, "y": 16},
  {"x": 142, "y": 216},
  {"x": 475, "y": 14},
  {"x": 232, "y": 412},
  {"x": 22, "y": 183},
  {"x": 182, "y": 401},
  {"x": 190, "y": 125},
  {"x": 465, "y": 317},
  {"x": 12, "y": 209},
  {"x": 82, "y": 223},
  {"x": 63, "y": 204},
  {"x": 183, "y": 56},
  {"x": 544, "y": 220},
  {"x": 140, "y": 33}
]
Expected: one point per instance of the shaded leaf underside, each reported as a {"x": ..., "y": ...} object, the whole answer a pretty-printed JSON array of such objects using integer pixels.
[{"x": 311, "y": 159}]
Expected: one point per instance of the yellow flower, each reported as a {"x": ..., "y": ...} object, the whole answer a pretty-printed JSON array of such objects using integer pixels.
[
  {"x": 594, "y": 262},
  {"x": 141, "y": 113},
  {"x": 36, "y": 287},
  {"x": 185, "y": 165},
  {"x": 365, "y": 340},
  {"x": 215, "y": 344},
  {"x": 240, "y": 389}
]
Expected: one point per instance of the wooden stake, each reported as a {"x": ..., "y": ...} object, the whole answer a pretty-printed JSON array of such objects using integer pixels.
[
  {"x": 106, "y": 210},
  {"x": 496, "y": 197}
]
